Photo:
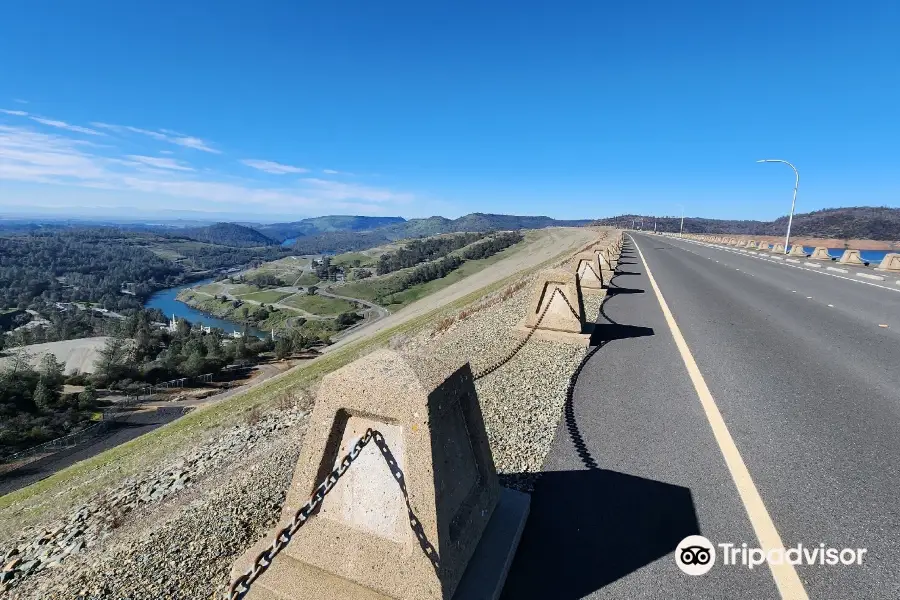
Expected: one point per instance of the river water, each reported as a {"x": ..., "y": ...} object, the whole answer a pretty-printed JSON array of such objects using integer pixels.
[
  {"x": 872, "y": 256},
  {"x": 165, "y": 301}
]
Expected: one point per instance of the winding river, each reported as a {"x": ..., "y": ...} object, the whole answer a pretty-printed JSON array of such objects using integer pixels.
[{"x": 165, "y": 300}]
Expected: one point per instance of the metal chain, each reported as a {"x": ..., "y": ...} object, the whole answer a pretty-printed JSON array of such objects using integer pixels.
[
  {"x": 241, "y": 585},
  {"x": 496, "y": 365}
]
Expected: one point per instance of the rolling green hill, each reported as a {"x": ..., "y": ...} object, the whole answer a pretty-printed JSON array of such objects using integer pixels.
[
  {"x": 856, "y": 222},
  {"x": 332, "y": 223},
  {"x": 228, "y": 234},
  {"x": 347, "y": 241}
]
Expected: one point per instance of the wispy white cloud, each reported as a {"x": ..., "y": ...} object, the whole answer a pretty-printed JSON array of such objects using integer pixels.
[
  {"x": 336, "y": 190},
  {"x": 56, "y": 159},
  {"x": 163, "y": 135},
  {"x": 195, "y": 143},
  {"x": 166, "y": 152},
  {"x": 27, "y": 155},
  {"x": 66, "y": 126},
  {"x": 20, "y": 101},
  {"x": 160, "y": 163},
  {"x": 273, "y": 167},
  {"x": 17, "y": 113}
]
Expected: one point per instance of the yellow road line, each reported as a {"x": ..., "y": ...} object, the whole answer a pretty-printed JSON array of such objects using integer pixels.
[{"x": 786, "y": 578}]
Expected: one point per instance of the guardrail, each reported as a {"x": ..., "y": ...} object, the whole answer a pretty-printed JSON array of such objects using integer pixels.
[
  {"x": 61, "y": 443},
  {"x": 179, "y": 383},
  {"x": 111, "y": 414}
]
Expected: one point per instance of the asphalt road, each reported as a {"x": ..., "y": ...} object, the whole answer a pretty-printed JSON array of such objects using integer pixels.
[
  {"x": 128, "y": 428},
  {"x": 807, "y": 381}
]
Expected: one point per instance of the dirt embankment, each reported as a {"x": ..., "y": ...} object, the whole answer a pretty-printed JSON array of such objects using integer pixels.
[{"x": 551, "y": 242}]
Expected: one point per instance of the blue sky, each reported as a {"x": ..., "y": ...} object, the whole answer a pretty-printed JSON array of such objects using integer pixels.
[{"x": 281, "y": 110}]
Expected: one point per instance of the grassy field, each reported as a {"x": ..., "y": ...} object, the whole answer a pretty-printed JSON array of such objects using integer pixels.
[
  {"x": 288, "y": 268},
  {"x": 265, "y": 297},
  {"x": 239, "y": 289},
  {"x": 306, "y": 279},
  {"x": 374, "y": 289},
  {"x": 167, "y": 254},
  {"x": 76, "y": 484},
  {"x": 210, "y": 288},
  {"x": 349, "y": 259},
  {"x": 320, "y": 305}
]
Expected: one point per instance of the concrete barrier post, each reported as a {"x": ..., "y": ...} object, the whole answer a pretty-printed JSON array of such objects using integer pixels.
[
  {"x": 777, "y": 249},
  {"x": 589, "y": 271},
  {"x": 407, "y": 515},
  {"x": 820, "y": 253},
  {"x": 606, "y": 270},
  {"x": 612, "y": 257},
  {"x": 797, "y": 250},
  {"x": 851, "y": 257},
  {"x": 556, "y": 308},
  {"x": 890, "y": 262},
  {"x": 763, "y": 246}
]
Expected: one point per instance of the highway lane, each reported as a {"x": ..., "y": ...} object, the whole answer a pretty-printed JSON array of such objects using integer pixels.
[{"x": 810, "y": 394}]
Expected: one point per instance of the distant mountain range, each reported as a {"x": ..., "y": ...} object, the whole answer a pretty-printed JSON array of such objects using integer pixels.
[
  {"x": 227, "y": 234},
  {"x": 316, "y": 225},
  {"x": 346, "y": 241},
  {"x": 341, "y": 233},
  {"x": 857, "y": 222}
]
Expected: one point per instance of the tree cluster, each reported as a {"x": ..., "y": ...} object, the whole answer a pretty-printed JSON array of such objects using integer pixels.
[
  {"x": 492, "y": 245},
  {"x": 79, "y": 265},
  {"x": 419, "y": 251},
  {"x": 33, "y": 408}
]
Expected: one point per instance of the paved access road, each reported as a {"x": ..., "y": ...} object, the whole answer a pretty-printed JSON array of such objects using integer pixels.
[{"x": 764, "y": 409}]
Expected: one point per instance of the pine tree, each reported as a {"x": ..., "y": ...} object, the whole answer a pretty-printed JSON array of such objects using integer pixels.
[{"x": 43, "y": 398}]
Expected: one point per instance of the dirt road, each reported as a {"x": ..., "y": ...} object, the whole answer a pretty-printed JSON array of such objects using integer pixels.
[
  {"x": 550, "y": 243},
  {"x": 78, "y": 355}
]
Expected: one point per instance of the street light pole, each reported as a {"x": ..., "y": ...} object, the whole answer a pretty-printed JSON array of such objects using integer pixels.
[
  {"x": 787, "y": 238},
  {"x": 681, "y": 231}
]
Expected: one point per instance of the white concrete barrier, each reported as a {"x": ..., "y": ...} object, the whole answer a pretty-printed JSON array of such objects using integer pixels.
[
  {"x": 589, "y": 271},
  {"x": 851, "y": 257},
  {"x": 820, "y": 253},
  {"x": 890, "y": 262}
]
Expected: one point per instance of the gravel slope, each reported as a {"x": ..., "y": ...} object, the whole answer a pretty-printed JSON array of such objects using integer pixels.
[
  {"x": 522, "y": 400},
  {"x": 176, "y": 531}
]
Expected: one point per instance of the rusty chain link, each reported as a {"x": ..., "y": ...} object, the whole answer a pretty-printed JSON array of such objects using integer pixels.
[
  {"x": 241, "y": 585},
  {"x": 496, "y": 365}
]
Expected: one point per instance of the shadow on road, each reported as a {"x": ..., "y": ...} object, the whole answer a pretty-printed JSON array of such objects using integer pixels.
[
  {"x": 590, "y": 528},
  {"x": 615, "y": 291},
  {"x": 607, "y": 332}
]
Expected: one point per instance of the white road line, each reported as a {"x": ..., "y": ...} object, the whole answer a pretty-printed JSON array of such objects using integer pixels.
[{"x": 789, "y": 585}]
